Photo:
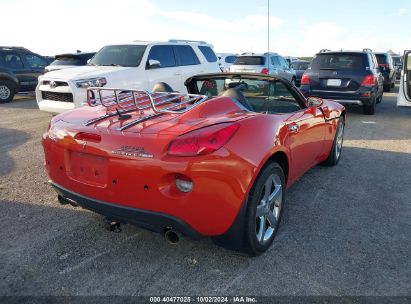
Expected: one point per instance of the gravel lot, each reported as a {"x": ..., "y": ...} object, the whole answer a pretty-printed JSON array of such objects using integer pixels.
[{"x": 346, "y": 230}]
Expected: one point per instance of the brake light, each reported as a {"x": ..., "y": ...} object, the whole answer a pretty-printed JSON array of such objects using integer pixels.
[
  {"x": 384, "y": 65},
  {"x": 369, "y": 80},
  {"x": 202, "y": 141},
  {"x": 305, "y": 79},
  {"x": 88, "y": 136},
  {"x": 264, "y": 71}
]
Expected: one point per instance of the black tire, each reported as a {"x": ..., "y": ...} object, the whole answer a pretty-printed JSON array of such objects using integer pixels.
[
  {"x": 335, "y": 153},
  {"x": 393, "y": 84},
  {"x": 7, "y": 91},
  {"x": 252, "y": 245},
  {"x": 370, "y": 109}
]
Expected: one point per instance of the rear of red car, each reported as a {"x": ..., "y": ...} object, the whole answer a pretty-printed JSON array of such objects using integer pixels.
[{"x": 156, "y": 174}]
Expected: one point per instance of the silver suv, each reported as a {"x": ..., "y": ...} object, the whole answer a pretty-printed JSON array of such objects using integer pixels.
[{"x": 267, "y": 63}]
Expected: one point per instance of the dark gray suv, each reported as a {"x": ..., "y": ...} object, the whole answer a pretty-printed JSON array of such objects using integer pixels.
[{"x": 19, "y": 70}]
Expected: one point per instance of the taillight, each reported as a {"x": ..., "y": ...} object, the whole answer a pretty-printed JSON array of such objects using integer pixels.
[
  {"x": 369, "y": 80},
  {"x": 202, "y": 141},
  {"x": 264, "y": 71},
  {"x": 88, "y": 136},
  {"x": 305, "y": 79}
]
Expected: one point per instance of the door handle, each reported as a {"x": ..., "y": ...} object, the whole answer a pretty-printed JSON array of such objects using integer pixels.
[
  {"x": 293, "y": 128},
  {"x": 177, "y": 74}
]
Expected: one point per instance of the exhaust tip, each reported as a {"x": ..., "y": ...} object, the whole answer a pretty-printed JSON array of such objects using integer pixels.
[{"x": 172, "y": 236}]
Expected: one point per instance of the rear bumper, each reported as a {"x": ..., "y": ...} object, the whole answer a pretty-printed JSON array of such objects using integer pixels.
[
  {"x": 154, "y": 221},
  {"x": 363, "y": 96}
]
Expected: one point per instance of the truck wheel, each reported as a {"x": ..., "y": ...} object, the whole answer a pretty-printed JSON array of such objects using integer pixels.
[
  {"x": 264, "y": 210},
  {"x": 6, "y": 91}
]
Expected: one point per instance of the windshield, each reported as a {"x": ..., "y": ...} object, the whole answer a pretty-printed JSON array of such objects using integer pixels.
[
  {"x": 67, "y": 60},
  {"x": 260, "y": 95},
  {"x": 338, "y": 61},
  {"x": 250, "y": 60},
  {"x": 381, "y": 58},
  {"x": 119, "y": 55},
  {"x": 300, "y": 65}
]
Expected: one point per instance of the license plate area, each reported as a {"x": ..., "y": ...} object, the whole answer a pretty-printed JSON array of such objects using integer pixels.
[
  {"x": 334, "y": 82},
  {"x": 88, "y": 168}
]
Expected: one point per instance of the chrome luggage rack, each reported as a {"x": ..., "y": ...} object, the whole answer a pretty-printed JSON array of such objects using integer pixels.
[{"x": 119, "y": 102}]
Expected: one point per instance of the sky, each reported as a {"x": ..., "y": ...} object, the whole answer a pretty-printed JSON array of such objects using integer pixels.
[{"x": 297, "y": 28}]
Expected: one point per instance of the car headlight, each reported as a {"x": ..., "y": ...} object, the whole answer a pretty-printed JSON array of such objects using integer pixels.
[{"x": 94, "y": 82}]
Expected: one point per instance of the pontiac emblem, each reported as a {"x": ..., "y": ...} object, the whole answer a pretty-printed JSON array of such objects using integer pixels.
[
  {"x": 132, "y": 151},
  {"x": 53, "y": 84},
  {"x": 84, "y": 145}
]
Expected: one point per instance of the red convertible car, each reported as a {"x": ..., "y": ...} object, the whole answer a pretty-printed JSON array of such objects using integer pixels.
[{"x": 214, "y": 162}]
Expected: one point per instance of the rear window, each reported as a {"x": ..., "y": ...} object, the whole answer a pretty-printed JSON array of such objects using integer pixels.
[
  {"x": 230, "y": 59},
  {"x": 300, "y": 65},
  {"x": 250, "y": 60},
  {"x": 208, "y": 53},
  {"x": 381, "y": 58},
  {"x": 67, "y": 61},
  {"x": 338, "y": 61}
]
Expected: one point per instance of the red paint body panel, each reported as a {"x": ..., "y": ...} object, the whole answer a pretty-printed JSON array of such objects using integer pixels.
[{"x": 221, "y": 179}]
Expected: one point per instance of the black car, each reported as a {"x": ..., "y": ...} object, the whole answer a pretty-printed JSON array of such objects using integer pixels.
[
  {"x": 387, "y": 69},
  {"x": 19, "y": 70},
  {"x": 69, "y": 60},
  {"x": 299, "y": 67},
  {"x": 348, "y": 77}
]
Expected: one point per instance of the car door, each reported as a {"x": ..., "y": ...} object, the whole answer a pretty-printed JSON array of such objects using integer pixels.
[
  {"x": 305, "y": 138},
  {"x": 188, "y": 64},
  {"x": 14, "y": 63},
  {"x": 305, "y": 129},
  {"x": 404, "y": 94},
  {"x": 167, "y": 71},
  {"x": 35, "y": 65}
]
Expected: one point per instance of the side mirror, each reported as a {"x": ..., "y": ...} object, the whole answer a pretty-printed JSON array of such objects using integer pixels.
[
  {"x": 153, "y": 64},
  {"x": 314, "y": 102}
]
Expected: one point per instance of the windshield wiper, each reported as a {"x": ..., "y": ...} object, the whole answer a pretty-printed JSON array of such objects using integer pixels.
[{"x": 329, "y": 68}]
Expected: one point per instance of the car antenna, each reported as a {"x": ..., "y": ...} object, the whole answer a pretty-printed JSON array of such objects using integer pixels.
[
  {"x": 122, "y": 116},
  {"x": 268, "y": 47}
]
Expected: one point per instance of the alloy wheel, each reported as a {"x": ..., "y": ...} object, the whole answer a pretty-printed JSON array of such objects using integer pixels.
[
  {"x": 4, "y": 92},
  {"x": 339, "y": 140},
  {"x": 269, "y": 208}
]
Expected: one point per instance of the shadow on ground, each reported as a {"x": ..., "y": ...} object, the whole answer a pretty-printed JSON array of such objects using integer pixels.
[{"x": 10, "y": 139}]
